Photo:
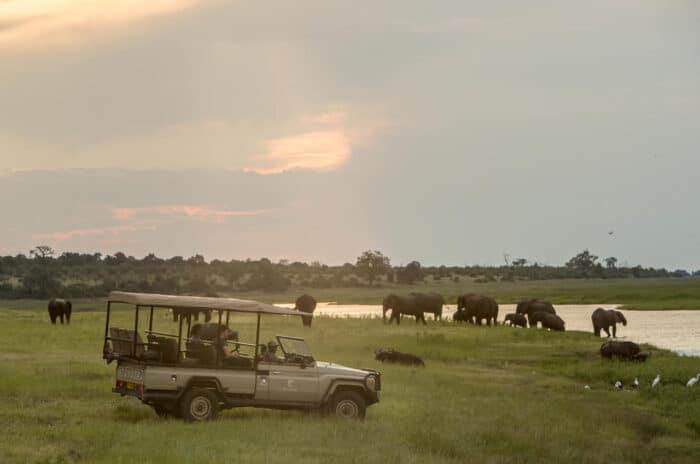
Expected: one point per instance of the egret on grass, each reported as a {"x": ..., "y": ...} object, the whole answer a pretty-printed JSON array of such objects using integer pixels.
[
  {"x": 618, "y": 385},
  {"x": 636, "y": 382},
  {"x": 657, "y": 380},
  {"x": 693, "y": 381}
]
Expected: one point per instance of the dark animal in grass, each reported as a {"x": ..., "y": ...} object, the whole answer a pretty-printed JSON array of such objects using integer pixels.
[
  {"x": 194, "y": 313},
  {"x": 306, "y": 304},
  {"x": 628, "y": 351},
  {"x": 515, "y": 319},
  {"x": 400, "y": 305},
  {"x": 396, "y": 357},
  {"x": 60, "y": 308},
  {"x": 477, "y": 308},
  {"x": 533, "y": 306},
  {"x": 548, "y": 321},
  {"x": 604, "y": 319},
  {"x": 460, "y": 316},
  {"x": 430, "y": 303}
]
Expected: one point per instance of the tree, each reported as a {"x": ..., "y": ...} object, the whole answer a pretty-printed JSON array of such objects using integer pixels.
[
  {"x": 611, "y": 262},
  {"x": 42, "y": 252},
  {"x": 583, "y": 262},
  {"x": 410, "y": 273},
  {"x": 520, "y": 262},
  {"x": 372, "y": 263}
]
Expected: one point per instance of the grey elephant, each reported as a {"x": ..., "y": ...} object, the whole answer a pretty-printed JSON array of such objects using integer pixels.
[
  {"x": 430, "y": 303},
  {"x": 548, "y": 321},
  {"x": 401, "y": 305},
  {"x": 603, "y": 319},
  {"x": 60, "y": 308},
  {"x": 306, "y": 304},
  {"x": 629, "y": 351},
  {"x": 477, "y": 308},
  {"x": 515, "y": 319},
  {"x": 534, "y": 305},
  {"x": 460, "y": 316}
]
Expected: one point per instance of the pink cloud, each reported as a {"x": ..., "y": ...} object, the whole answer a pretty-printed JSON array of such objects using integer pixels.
[
  {"x": 320, "y": 150},
  {"x": 200, "y": 213}
]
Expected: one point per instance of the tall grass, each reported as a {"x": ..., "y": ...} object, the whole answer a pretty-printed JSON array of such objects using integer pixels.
[{"x": 486, "y": 395}]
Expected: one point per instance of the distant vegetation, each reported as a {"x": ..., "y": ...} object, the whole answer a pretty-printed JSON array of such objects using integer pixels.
[{"x": 42, "y": 274}]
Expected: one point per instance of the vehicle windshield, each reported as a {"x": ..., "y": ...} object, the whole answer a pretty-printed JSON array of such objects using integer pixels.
[{"x": 293, "y": 345}]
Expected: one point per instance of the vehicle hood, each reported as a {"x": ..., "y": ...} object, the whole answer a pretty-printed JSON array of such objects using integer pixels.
[{"x": 339, "y": 370}]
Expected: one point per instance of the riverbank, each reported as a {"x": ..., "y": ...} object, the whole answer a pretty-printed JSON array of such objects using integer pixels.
[{"x": 486, "y": 395}]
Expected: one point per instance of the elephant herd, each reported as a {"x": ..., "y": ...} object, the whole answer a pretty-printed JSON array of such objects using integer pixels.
[{"x": 479, "y": 309}]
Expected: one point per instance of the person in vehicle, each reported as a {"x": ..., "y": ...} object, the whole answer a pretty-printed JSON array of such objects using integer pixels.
[
  {"x": 224, "y": 334},
  {"x": 270, "y": 354},
  {"x": 196, "y": 333}
]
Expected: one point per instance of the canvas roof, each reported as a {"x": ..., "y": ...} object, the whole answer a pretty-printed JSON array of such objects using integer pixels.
[{"x": 200, "y": 302}]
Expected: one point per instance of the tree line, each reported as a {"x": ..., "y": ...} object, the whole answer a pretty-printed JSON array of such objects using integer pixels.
[{"x": 43, "y": 274}]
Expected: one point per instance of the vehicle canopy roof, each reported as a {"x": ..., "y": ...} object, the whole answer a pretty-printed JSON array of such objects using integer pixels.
[{"x": 198, "y": 303}]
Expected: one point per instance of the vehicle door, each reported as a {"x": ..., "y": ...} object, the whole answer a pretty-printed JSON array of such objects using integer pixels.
[{"x": 292, "y": 382}]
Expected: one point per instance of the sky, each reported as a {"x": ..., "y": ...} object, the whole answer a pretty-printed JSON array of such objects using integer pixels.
[{"x": 450, "y": 132}]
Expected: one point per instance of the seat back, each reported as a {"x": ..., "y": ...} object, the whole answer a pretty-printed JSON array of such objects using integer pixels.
[{"x": 123, "y": 339}]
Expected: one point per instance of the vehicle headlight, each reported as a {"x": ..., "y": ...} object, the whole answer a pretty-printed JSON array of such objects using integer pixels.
[{"x": 371, "y": 382}]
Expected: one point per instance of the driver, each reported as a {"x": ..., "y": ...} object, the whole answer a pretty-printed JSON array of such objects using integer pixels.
[{"x": 271, "y": 353}]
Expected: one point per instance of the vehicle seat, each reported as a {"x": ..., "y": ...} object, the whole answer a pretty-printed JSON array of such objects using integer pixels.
[{"x": 169, "y": 351}]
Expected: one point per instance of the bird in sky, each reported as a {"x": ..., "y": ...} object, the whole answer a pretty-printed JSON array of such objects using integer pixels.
[
  {"x": 610, "y": 232},
  {"x": 657, "y": 380},
  {"x": 693, "y": 381}
]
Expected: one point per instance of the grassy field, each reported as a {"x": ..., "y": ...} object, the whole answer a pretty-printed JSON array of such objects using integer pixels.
[{"x": 486, "y": 395}]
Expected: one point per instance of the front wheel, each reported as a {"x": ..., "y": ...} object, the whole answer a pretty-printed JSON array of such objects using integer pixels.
[
  {"x": 198, "y": 405},
  {"x": 348, "y": 404}
]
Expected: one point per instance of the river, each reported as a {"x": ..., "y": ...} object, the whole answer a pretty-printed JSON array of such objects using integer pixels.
[{"x": 678, "y": 331}]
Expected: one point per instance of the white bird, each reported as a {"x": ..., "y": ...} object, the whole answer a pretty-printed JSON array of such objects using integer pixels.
[
  {"x": 693, "y": 381},
  {"x": 586, "y": 387},
  {"x": 657, "y": 380},
  {"x": 636, "y": 382},
  {"x": 618, "y": 385}
]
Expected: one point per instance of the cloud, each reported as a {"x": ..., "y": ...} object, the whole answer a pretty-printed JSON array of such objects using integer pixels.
[
  {"x": 26, "y": 21},
  {"x": 323, "y": 150},
  {"x": 200, "y": 213},
  {"x": 79, "y": 233},
  {"x": 320, "y": 141}
]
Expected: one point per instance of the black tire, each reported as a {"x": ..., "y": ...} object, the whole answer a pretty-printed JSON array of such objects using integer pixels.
[
  {"x": 348, "y": 404},
  {"x": 199, "y": 404}
]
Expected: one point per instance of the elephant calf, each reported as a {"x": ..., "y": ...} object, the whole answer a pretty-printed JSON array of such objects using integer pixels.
[
  {"x": 628, "y": 351},
  {"x": 548, "y": 321},
  {"x": 515, "y": 319},
  {"x": 392, "y": 356},
  {"x": 604, "y": 318}
]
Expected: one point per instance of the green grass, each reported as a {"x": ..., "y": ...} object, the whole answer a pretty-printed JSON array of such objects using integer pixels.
[{"x": 486, "y": 395}]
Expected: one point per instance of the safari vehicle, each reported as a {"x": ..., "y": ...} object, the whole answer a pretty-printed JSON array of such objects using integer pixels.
[{"x": 170, "y": 373}]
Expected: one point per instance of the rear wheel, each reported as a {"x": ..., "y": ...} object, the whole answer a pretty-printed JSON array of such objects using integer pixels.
[
  {"x": 348, "y": 404},
  {"x": 199, "y": 404}
]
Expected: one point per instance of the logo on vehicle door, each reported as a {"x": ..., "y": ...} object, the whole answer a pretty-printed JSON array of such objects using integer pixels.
[{"x": 291, "y": 386}]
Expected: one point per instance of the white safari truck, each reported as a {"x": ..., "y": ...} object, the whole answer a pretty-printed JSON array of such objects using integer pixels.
[{"x": 196, "y": 375}]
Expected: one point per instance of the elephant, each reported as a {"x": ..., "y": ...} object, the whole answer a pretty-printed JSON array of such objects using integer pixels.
[
  {"x": 59, "y": 307},
  {"x": 533, "y": 306},
  {"x": 392, "y": 356},
  {"x": 460, "y": 316},
  {"x": 306, "y": 304},
  {"x": 477, "y": 308},
  {"x": 628, "y": 351},
  {"x": 516, "y": 319},
  {"x": 548, "y": 320},
  {"x": 430, "y": 303},
  {"x": 401, "y": 305},
  {"x": 604, "y": 318}
]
